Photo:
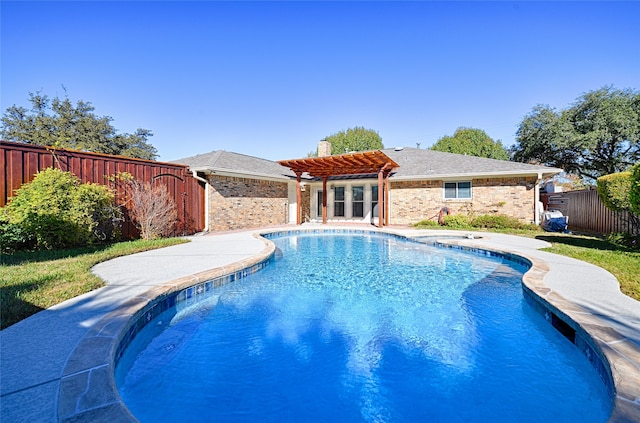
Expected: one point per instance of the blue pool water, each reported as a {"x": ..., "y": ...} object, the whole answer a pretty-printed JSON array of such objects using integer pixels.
[{"x": 362, "y": 328}]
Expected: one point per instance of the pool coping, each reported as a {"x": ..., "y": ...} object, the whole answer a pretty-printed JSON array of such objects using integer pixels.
[{"x": 88, "y": 390}]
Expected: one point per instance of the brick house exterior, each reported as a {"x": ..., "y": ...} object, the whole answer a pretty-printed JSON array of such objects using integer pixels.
[
  {"x": 239, "y": 203},
  {"x": 248, "y": 192},
  {"x": 412, "y": 201}
]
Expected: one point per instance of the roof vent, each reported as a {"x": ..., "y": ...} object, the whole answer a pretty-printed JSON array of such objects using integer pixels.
[{"x": 399, "y": 148}]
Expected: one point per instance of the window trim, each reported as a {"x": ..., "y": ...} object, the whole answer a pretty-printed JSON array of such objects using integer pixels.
[
  {"x": 343, "y": 201},
  {"x": 457, "y": 187},
  {"x": 355, "y": 203}
]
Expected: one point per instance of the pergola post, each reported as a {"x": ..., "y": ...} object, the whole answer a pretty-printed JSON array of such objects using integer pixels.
[
  {"x": 381, "y": 202},
  {"x": 298, "y": 199},
  {"x": 386, "y": 199},
  {"x": 324, "y": 200}
]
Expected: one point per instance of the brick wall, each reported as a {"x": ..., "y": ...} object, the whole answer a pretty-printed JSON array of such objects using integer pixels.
[
  {"x": 413, "y": 201},
  {"x": 239, "y": 203}
]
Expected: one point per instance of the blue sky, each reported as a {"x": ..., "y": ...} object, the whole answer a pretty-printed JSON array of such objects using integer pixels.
[{"x": 270, "y": 79}]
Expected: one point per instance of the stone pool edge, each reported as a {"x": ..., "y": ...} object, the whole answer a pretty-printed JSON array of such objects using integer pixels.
[{"x": 88, "y": 391}]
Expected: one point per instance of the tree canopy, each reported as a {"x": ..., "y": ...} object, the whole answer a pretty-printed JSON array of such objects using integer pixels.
[
  {"x": 473, "y": 142},
  {"x": 355, "y": 139},
  {"x": 59, "y": 123},
  {"x": 598, "y": 135}
]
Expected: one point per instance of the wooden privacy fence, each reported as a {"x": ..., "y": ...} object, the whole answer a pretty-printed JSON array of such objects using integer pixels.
[
  {"x": 586, "y": 212},
  {"x": 20, "y": 162}
]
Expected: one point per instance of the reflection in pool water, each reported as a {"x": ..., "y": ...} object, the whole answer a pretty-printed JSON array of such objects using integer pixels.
[{"x": 362, "y": 328}]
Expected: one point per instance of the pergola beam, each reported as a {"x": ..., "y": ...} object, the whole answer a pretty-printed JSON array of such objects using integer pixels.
[{"x": 359, "y": 163}]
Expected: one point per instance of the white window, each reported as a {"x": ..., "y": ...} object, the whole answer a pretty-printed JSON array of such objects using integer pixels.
[
  {"x": 357, "y": 201},
  {"x": 338, "y": 202},
  {"x": 457, "y": 190}
]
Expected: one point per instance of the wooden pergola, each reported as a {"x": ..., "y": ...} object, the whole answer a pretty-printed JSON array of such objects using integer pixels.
[{"x": 360, "y": 163}]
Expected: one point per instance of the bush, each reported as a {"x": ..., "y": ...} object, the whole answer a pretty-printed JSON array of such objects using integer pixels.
[
  {"x": 56, "y": 210},
  {"x": 614, "y": 191},
  {"x": 625, "y": 240},
  {"x": 457, "y": 221},
  {"x": 486, "y": 221},
  {"x": 12, "y": 236},
  {"x": 427, "y": 222},
  {"x": 496, "y": 221},
  {"x": 153, "y": 210},
  {"x": 634, "y": 190}
]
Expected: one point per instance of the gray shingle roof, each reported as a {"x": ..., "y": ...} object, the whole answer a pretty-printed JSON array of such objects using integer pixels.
[
  {"x": 414, "y": 164},
  {"x": 429, "y": 164},
  {"x": 234, "y": 163}
]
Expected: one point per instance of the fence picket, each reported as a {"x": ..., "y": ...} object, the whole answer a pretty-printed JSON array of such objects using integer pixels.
[
  {"x": 19, "y": 162},
  {"x": 586, "y": 212}
]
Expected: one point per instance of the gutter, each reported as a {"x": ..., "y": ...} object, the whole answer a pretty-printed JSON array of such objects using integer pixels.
[{"x": 472, "y": 175}]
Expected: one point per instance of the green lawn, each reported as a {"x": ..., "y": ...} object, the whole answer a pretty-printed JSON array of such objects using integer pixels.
[{"x": 32, "y": 281}]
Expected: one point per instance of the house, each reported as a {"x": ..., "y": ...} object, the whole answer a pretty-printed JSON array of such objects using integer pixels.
[{"x": 244, "y": 191}]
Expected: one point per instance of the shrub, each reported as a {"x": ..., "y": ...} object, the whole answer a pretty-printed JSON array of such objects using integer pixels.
[
  {"x": 56, "y": 210},
  {"x": 487, "y": 221},
  {"x": 153, "y": 210},
  {"x": 634, "y": 190},
  {"x": 496, "y": 221},
  {"x": 427, "y": 222},
  {"x": 614, "y": 191},
  {"x": 12, "y": 236},
  {"x": 625, "y": 240},
  {"x": 457, "y": 221}
]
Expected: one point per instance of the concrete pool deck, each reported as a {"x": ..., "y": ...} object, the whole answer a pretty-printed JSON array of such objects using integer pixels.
[{"x": 48, "y": 371}]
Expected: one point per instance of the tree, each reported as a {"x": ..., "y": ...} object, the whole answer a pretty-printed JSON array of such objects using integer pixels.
[
  {"x": 59, "y": 123},
  {"x": 355, "y": 139},
  {"x": 473, "y": 142},
  {"x": 598, "y": 135}
]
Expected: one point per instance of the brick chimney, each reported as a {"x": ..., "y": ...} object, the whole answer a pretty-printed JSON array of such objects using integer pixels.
[{"x": 324, "y": 148}]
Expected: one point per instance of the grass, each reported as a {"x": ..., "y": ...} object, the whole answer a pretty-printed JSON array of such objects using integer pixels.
[{"x": 33, "y": 281}]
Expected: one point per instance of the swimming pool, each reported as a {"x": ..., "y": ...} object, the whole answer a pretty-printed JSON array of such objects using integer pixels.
[{"x": 362, "y": 328}]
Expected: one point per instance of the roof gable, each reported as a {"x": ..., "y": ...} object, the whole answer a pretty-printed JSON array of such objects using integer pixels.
[{"x": 221, "y": 161}]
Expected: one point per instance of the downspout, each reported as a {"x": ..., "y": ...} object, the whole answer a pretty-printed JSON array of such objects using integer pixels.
[
  {"x": 206, "y": 199},
  {"x": 536, "y": 207}
]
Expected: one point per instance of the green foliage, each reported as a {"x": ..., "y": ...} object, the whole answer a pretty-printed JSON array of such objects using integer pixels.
[
  {"x": 484, "y": 221},
  {"x": 56, "y": 210},
  {"x": 12, "y": 236},
  {"x": 498, "y": 221},
  {"x": 427, "y": 222},
  {"x": 625, "y": 240},
  {"x": 457, "y": 221},
  {"x": 634, "y": 190},
  {"x": 598, "y": 135},
  {"x": 59, "y": 123},
  {"x": 473, "y": 142},
  {"x": 613, "y": 191},
  {"x": 355, "y": 139}
]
